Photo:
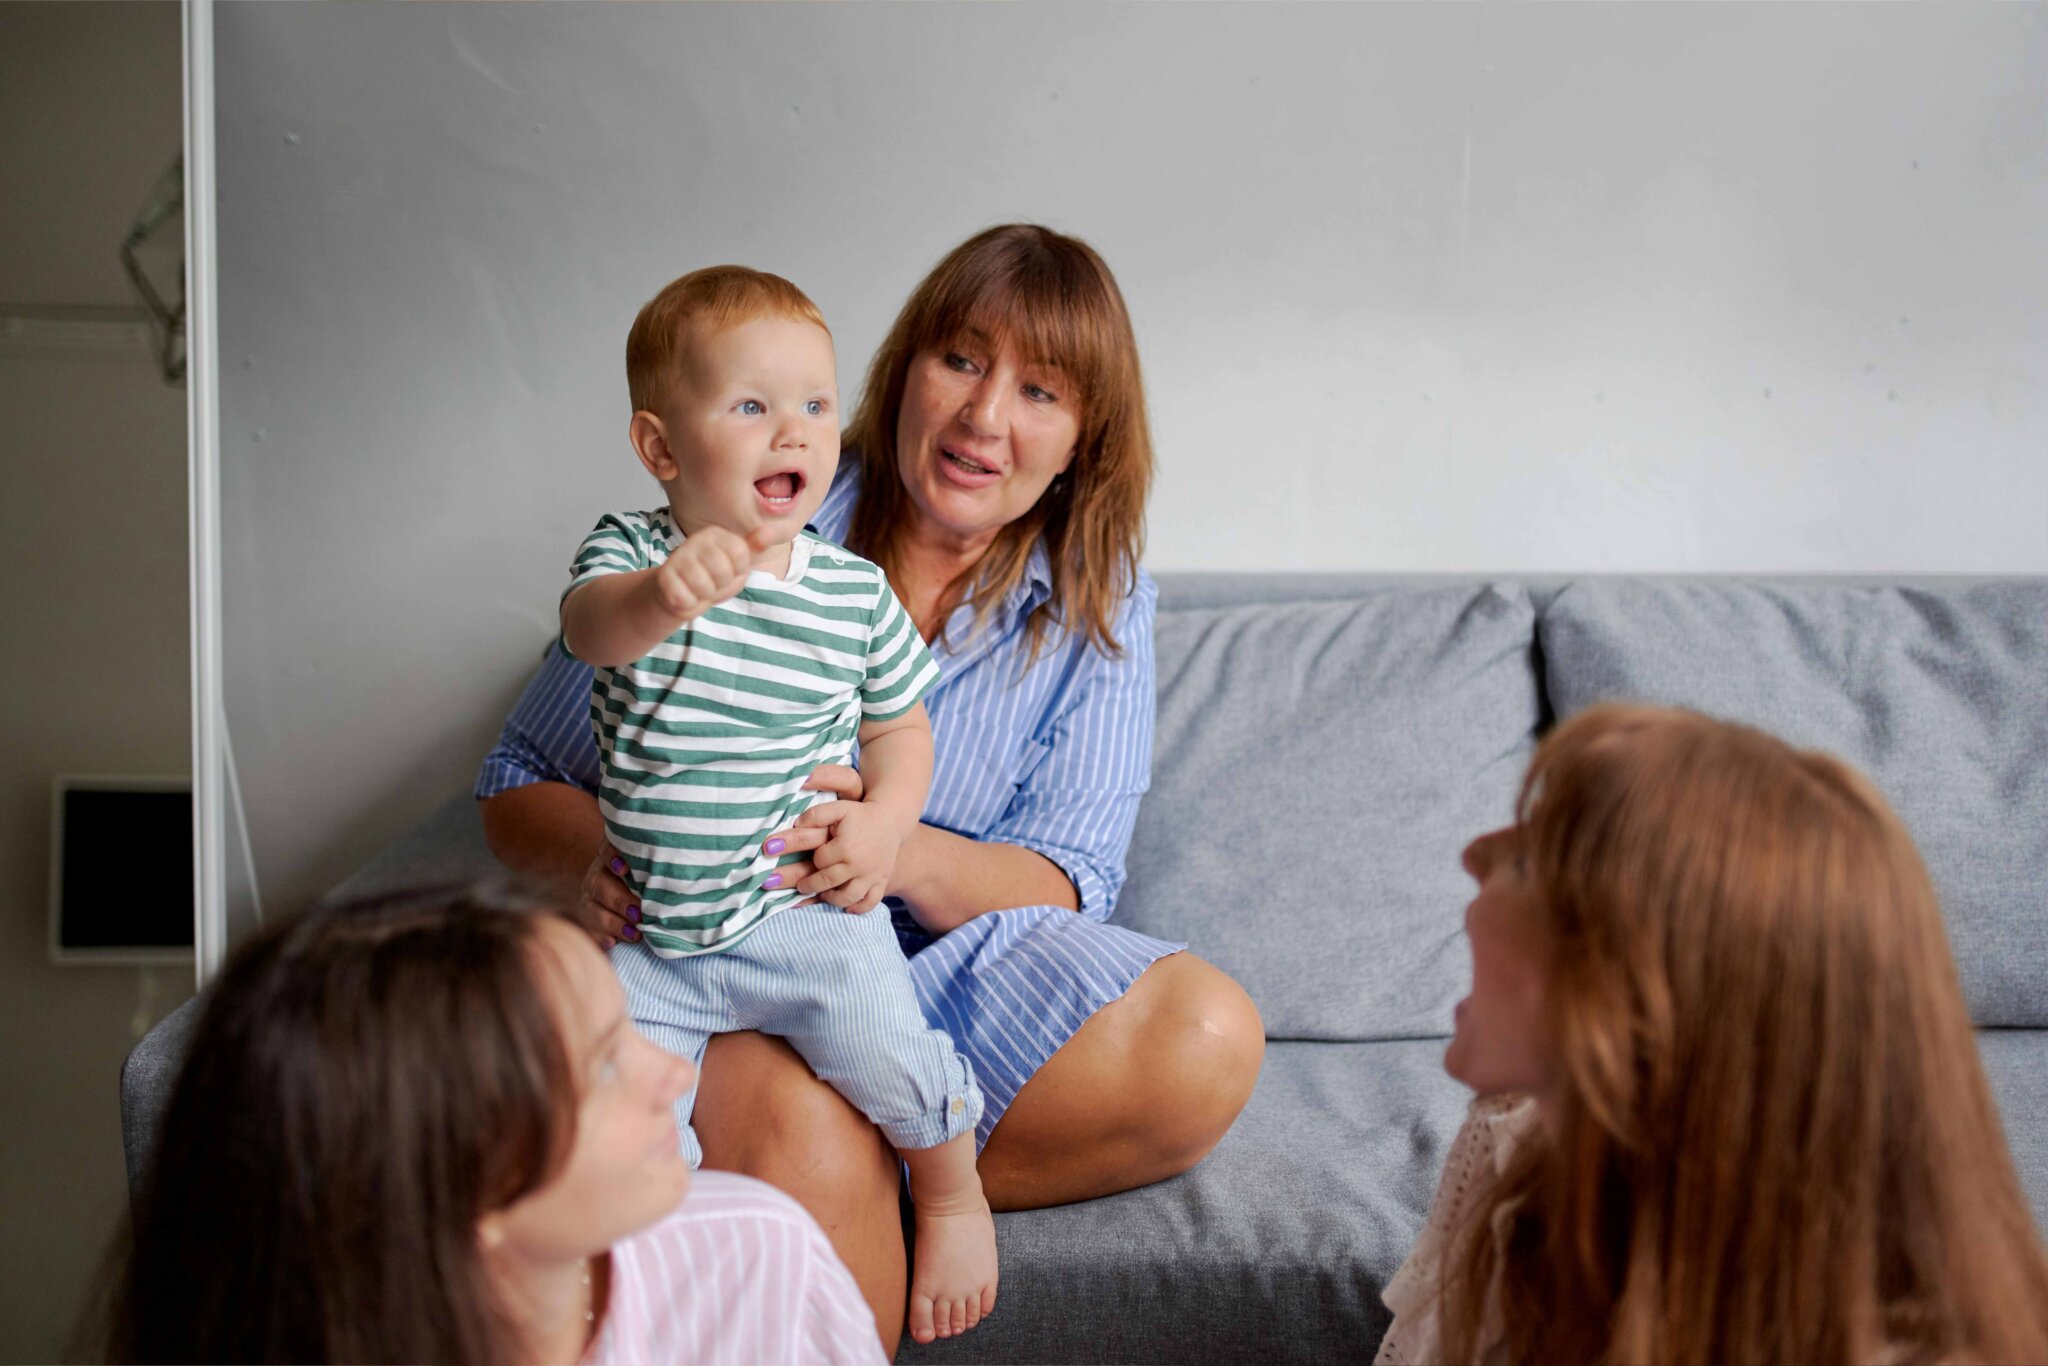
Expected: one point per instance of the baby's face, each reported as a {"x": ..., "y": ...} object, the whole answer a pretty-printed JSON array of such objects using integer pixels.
[{"x": 753, "y": 425}]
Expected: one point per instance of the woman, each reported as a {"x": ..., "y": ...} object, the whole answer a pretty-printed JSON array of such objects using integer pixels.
[
  {"x": 422, "y": 1129},
  {"x": 1730, "y": 1107},
  {"x": 997, "y": 467}
]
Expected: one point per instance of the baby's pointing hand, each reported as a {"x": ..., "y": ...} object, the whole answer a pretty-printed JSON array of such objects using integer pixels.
[{"x": 707, "y": 569}]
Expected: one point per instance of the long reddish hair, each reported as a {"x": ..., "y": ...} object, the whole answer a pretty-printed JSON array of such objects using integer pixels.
[
  {"x": 1770, "y": 1137},
  {"x": 1054, "y": 299}
]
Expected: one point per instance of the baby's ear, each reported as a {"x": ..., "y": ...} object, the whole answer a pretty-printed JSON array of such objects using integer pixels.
[{"x": 650, "y": 443}]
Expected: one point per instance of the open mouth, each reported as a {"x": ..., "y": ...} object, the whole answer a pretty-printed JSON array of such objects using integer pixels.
[
  {"x": 781, "y": 487},
  {"x": 967, "y": 463}
]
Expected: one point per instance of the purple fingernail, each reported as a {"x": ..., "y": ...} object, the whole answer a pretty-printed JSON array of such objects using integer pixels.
[
  {"x": 774, "y": 880},
  {"x": 633, "y": 914},
  {"x": 774, "y": 846},
  {"x": 632, "y": 931},
  {"x": 618, "y": 865}
]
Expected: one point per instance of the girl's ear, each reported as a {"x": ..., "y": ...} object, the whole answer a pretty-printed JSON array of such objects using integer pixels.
[{"x": 650, "y": 443}]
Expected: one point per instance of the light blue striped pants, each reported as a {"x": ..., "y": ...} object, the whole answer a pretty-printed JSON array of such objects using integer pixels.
[{"x": 838, "y": 988}]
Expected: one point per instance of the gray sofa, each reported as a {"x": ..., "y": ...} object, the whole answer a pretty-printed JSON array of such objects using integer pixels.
[{"x": 1326, "y": 745}]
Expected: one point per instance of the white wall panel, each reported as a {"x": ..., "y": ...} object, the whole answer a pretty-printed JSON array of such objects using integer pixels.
[{"x": 1728, "y": 288}]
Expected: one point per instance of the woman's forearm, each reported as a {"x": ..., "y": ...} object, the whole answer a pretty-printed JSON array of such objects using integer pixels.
[
  {"x": 948, "y": 879},
  {"x": 548, "y": 831}
]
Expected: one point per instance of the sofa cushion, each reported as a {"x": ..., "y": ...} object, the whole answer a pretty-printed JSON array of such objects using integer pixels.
[
  {"x": 1938, "y": 693},
  {"x": 1275, "y": 1248},
  {"x": 1317, "y": 768},
  {"x": 2016, "y": 1065}
]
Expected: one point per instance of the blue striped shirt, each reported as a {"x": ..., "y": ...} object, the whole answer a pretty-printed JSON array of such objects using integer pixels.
[{"x": 1053, "y": 758}]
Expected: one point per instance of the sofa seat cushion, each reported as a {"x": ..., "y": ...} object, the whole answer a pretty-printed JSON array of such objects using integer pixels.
[
  {"x": 1939, "y": 693},
  {"x": 2016, "y": 1063},
  {"x": 1274, "y": 1248},
  {"x": 1317, "y": 768}
]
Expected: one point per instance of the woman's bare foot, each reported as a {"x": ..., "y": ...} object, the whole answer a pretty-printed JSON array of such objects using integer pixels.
[{"x": 953, "y": 1279}]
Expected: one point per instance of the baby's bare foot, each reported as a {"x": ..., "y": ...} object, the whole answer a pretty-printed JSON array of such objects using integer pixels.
[{"x": 954, "y": 1280}]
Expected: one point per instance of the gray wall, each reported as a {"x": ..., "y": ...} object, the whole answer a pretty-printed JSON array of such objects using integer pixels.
[
  {"x": 1418, "y": 288},
  {"x": 93, "y": 618}
]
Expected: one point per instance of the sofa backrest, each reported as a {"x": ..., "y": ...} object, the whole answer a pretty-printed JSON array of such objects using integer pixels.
[
  {"x": 1318, "y": 766},
  {"x": 1328, "y": 743},
  {"x": 1937, "y": 692}
]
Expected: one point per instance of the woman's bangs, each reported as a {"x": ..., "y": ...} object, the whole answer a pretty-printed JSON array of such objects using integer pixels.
[{"x": 1041, "y": 317}]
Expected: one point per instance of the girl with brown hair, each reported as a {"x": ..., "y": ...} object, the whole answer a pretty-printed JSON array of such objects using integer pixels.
[
  {"x": 997, "y": 468},
  {"x": 423, "y": 1129},
  {"x": 1729, "y": 1102}
]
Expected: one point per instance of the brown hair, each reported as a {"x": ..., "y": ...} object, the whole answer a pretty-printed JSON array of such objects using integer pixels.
[
  {"x": 1052, "y": 298},
  {"x": 365, "y": 1084},
  {"x": 1770, "y": 1138},
  {"x": 703, "y": 303}
]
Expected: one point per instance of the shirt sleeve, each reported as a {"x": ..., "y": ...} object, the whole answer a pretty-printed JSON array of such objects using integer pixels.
[
  {"x": 1079, "y": 804},
  {"x": 738, "y": 1275},
  {"x": 618, "y": 544},
  {"x": 835, "y": 1325},
  {"x": 1494, "y": 1127},
  {"x": 900, "y": 670},
  {"x": 547, "y": 738}
]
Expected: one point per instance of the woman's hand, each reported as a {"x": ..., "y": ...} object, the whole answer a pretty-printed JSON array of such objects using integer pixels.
[
  {"x": 606, "y": 906},
  {"x": 817, "y": 828}
]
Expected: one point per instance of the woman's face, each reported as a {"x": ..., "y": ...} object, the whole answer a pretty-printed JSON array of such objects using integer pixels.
[
  {"x": 980, "y": 437},
  {"x": 627, "y": 1168},
  {"x": 1502, "y": 1035}
]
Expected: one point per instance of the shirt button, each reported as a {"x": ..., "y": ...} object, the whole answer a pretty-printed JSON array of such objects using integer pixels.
[{"x": 959, "y": 1106}]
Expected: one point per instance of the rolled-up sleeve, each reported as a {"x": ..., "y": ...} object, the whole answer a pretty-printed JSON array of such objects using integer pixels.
[
  {"x": 547, "y": 738},
  {"x": 1078, "y": 806}
]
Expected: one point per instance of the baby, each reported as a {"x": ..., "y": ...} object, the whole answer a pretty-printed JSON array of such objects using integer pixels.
[{"x": 734, "y": 654}]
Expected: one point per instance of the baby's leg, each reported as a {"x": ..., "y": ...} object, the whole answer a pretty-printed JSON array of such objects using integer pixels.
[
  {"x": 676, "y": 1004},
  {"x": 953, "y": 1277},
  {"x": 837, "y": 987}
]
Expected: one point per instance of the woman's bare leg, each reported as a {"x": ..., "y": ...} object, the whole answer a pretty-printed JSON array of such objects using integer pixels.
[
  {"x": 761, "y": 1112},
  {"x": 1141, "y": 1092}
]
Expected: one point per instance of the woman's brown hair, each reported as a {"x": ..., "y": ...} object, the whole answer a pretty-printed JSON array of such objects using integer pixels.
[
  {"x": 1770, "y": 1138},
  {"x": 365, "y": 1084},
  {"x": 1053, "y": 299}
]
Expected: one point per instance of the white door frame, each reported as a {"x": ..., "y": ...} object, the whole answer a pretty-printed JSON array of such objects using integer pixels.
[{"x": 202, "y": 416}]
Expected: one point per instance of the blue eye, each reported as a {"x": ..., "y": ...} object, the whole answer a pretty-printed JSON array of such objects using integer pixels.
[
  {"x": 816, "y": 407},
  {"x": 1039, "y": 395},
  {"x": 956, "y": 361},
  {"x": 751, "y": 407}
]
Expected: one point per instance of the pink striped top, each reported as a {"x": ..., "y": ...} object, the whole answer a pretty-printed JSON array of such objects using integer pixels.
[{"x": 740, "y": 1273}]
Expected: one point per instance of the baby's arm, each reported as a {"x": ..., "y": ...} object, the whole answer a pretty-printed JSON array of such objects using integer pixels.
[
  {"x": 619, "y": 618},
  {"x": 896, "y": 761},
  {"x": 859, "y": 857}
]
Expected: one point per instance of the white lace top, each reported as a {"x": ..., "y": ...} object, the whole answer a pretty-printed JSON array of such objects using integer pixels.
[{"x": 1493, "y": 1127}]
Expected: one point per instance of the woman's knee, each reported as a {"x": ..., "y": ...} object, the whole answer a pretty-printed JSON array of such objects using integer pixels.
[
  {"x": 1200, "y": 1044},
  {"x": 761, "y": 1112}
]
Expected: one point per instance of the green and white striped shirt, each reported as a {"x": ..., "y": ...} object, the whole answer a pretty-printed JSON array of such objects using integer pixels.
[{"x": 706, "y": 742}]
